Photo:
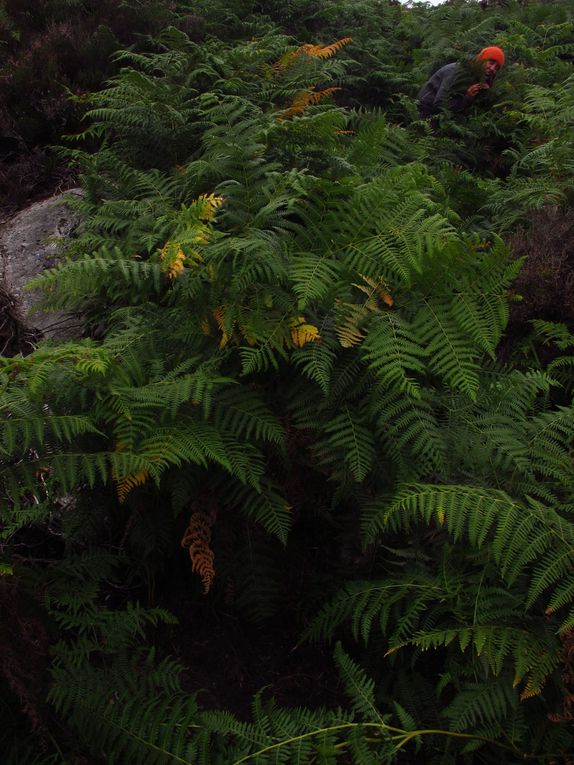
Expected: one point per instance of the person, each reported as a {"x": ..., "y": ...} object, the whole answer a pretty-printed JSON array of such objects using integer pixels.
[{"x": 441, "y": 90}]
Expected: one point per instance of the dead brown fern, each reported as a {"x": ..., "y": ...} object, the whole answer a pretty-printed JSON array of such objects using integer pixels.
[
  {"x": 197, "y": 538},
  {"x": 567, "y": 714}
]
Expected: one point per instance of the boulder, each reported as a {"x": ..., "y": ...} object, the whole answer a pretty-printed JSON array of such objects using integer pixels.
[{"x": 30, "y": 242}]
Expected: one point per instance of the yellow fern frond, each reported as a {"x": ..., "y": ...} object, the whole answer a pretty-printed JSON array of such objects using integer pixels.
[
  {"x": 196, "y": 538},
  {"x": 208, "y": 205},
  {"x": 126, "y": 485},
  {"x": 195, "y": 230},
  {"x": 306, "y": 98},
  {"x": 348, "y": 328},
  {"x": 530, "y": 691},
  {"x": 351, "y": 316},
  {"x": 301, "y": 332},
  {"x": 193, "y": 257},
  {"x": 173, "y": 258},
  {"x": 394, "y": 649},
  {"x": 219, "y": 316}
]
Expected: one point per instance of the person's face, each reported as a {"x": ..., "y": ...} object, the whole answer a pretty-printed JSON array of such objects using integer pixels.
[{"x": 491, "y": 67}]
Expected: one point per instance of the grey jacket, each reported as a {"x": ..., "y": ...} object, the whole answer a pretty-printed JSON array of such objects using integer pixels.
[{"x": 434, "y": 94}]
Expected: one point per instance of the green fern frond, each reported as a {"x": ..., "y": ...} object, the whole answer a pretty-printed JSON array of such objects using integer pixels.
[
  {"x": 317, "y": 360},
  {"x": 410, "y": 431},
  {"x": 479, "y": 704},
  {"x": 450, "y": 353},
  {"x": 393, "y": 352},
  {"x": 242, "y": 412},
  {"x": 534, "y": 657},
  {"x": 359, "y": 688},
  {"x": 366, "y": 604},
  {"x": 519, "y": 535},
  {"x": 348, "y": 433},
  {"x": 268, "y": 508},
  {"x": 23, "y": 433}
]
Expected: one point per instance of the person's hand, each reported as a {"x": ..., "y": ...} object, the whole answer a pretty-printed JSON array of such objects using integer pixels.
[{"x": 473, "y": 89}]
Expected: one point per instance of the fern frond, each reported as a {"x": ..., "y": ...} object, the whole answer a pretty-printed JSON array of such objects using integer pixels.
[
  {"x": 196, "y": 539},
  {"x": 348, "y": 433},
  {"x": 534, "y": 656},
  {"x": 268, "y": 508},
  {"x": 410, "y": 430},
  {"x": 450, "y": 353},
  {"x": 242, "y": 412},
  {"x": 479, "y": 704},
  {"x": 520, "y": 536},
  {"x": 394, "y": 353},
  {"x": 306, "y": 98},
  {"x": 366, "y": 604},
  {"x": 359, "y": 688},
  {"x": 128, "y": 483},
  {"x": 317, "y": 360}
]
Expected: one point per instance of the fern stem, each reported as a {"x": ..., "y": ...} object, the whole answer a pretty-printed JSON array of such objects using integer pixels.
[
  {"x": 402, "y": 737},
  {"x": 317, "y": 732},
  {"x": 151, "y": 745}
]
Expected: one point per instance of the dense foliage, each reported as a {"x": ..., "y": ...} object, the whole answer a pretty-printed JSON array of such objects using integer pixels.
[{"x": 296, "y": 293}]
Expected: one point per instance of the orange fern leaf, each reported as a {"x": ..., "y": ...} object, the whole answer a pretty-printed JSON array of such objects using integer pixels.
[
  {"x": 306, "y": 98},
  {"x": 372, "y": 287},
  {"x": 326, "y": 51},
  {"x": 317, "y": 51},
  {"x": 196, "y": 539}
]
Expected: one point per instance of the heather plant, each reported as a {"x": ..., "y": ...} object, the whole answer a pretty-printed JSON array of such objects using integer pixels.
[{"x": 52, "y": 55}]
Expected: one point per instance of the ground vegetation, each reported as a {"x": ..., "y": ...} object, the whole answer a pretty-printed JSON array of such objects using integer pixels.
[{"x": 321, "y": 396}]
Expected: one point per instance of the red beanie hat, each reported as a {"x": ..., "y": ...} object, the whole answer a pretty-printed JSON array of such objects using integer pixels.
[{"x": 492, "y": 52}]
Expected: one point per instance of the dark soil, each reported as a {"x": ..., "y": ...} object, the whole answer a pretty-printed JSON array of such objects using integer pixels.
[{"x": 229, "y": 661}]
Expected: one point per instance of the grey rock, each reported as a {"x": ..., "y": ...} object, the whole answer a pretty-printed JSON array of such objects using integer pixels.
[{"x": 31, "y": 242}]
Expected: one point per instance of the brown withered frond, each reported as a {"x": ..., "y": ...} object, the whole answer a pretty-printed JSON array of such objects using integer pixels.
[
  {"x": 197, "y": 538},
  {"x": 306, "y": 98},
  {"x": 567, "y": 652},
  {"x": 374, "y": 288}
]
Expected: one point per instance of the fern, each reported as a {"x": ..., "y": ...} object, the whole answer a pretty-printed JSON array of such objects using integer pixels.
[
  {"x": 520, "y": 535},
  {"x": 347, "y": 433},
  {"x": 359, "y": 688}
]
